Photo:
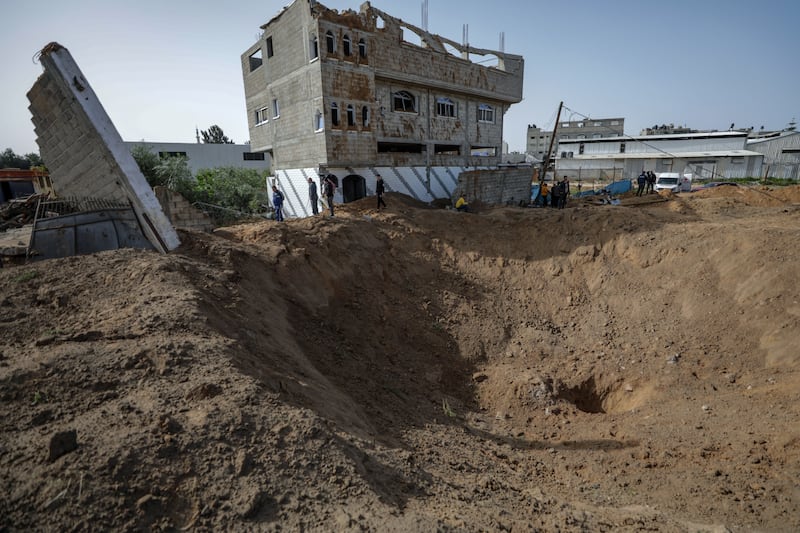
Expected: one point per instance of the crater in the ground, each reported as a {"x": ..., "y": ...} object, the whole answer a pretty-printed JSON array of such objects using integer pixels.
[{"x": 590, "y": 397}]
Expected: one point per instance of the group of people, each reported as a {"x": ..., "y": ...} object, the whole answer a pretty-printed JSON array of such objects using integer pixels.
[
  {"x": 555, "y": 195},
  {"x": 329, "y": 184},
  {"x": 646, "y": 182}
]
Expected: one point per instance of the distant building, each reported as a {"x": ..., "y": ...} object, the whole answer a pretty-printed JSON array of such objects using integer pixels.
[
  {"x": 667, "y": 129},
  {"x": 208, "y": 155},
  {"x": 708, "y": 156},
  {"x": 357, "y": 93},
  {"x": 781, "y": 154},
  {"x": 538, "y": 140}
]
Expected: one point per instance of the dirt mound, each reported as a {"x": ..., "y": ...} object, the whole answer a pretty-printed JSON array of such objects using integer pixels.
[{"x": 412, "y": 369}]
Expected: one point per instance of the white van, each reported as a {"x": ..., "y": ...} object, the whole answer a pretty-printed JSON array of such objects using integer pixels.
[{"x": 673, "y": 181}]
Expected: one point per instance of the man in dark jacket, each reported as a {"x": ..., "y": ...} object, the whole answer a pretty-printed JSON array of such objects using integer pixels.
[
  {"x": 312, "y": 196},
  {"x": 379, "y": 190}
]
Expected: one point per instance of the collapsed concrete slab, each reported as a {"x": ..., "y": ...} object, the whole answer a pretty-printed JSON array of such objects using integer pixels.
[{"x": 83, "y": 150}]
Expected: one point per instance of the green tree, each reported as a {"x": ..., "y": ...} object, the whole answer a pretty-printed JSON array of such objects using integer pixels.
[
  {"x": 8, "y": 159},
  {"x": 240, "y": 189},
  {"x": 175, "y": 174},
  {"x": 215, "y": 135},
  {"x": 34, "y": 159},
  {"x": 147, "y": 161}
]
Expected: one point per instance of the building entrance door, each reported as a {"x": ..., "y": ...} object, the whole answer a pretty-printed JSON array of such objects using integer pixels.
[{"x": 353, "y": 188}]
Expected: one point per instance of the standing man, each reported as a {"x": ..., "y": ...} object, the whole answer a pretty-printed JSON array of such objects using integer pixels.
[
  {"x": 312, "y": 196},
  {"x": 641, "y": 181},
  {"x": 277, "y": 202},
  {"x": 379, "y": 190},
  {"x": 330, "y": 190}
]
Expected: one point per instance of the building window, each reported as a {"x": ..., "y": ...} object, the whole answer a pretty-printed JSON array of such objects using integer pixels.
[
  {"x": 581, "y": 136},
  {"x": 483, "y": 151},
  {"x": 270, "y": 50},
  {"x": 598, "y": 123},
  {"x": 596, "y": 136},
  {"x": 262, "y": 116},
  {"x": 615, "y": 122},
  {"x": 580, "y": 148},
  {"x": 365, "y": 116},
  {"x": 330, "y": 42},
  {"x": 255, "y": 60},
  {"x": 351, "y": 115},
  {"x": 319, "y": 121},
  {"x": 486, "y": 113},
  {"x": 580, "y": 124},
  {"x": 622, "y": 148},
  {"x": 167, "y": 155},
  {"x": 362, "y": 48},
  {"x": 346, "y": 45},
  {"x": 253, "y": 156},
  {"x": 445, "y": 107},
  {"x": 335, "y": 114},
  {"x": 276, "y": 110},
  {"x": 314, "y": 47},
  {"x": 404, "y": 101}
]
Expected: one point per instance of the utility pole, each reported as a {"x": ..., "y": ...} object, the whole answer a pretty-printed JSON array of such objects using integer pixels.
[{"x": 546, "y": 164}]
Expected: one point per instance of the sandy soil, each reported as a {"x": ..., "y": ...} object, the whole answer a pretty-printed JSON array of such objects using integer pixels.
[{"x": 597, "y": 368}]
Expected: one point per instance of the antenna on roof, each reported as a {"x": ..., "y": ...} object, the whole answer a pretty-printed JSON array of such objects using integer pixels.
[
  {"x": 503, "y": 42},
  {"x": 425, "y": 15}
]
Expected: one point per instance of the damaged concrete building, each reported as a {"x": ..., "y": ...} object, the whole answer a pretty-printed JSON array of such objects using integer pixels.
[
  {"x": 104, "y": 202},
  {"x": 359, "y": 93}
]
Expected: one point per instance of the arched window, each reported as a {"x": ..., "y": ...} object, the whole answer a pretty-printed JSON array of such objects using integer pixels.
[
  {"x": 334, "y": 114},
  {"x": 485, "y": 113},
  {"x": 365, "y": 116},
  {"x": 314, "y": 47},
  {"x": 330, "y": 41},
  {"x": 346, "y": 44},
  {"x": 445, "y": 107},
  {"x": 362, "y": 48},
  {"x": 351, "y": 115},
  {"x": 404, "y": 101}
]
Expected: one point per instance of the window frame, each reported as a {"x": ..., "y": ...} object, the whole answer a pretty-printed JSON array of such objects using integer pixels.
[
  {"x": 399, "y": 100},
  {"x": 347, "y": 45},
  {"x": 446, "y": 107},
  {"x": 330, "y": 42},
  {"x": 362, "y": 48},
  {"x": 256, "y": 59},
  {"x": 276, "y": 109},
  {"x": 262, "y": 116},
  {"x": 314, "y": 47},
  {"x": 365, "y": 116},
  {"x": 484, "y": 111},
  {"x": 270, "y": 47},
  {"x": 334, "y": 114},
  {"x": 350, "y": 112}
]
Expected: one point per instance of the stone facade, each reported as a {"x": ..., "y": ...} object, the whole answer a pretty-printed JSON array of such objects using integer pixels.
[{"x": 331, "y": 91}]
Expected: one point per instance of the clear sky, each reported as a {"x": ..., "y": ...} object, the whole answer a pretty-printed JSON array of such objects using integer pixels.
[{"x": 163, "y": 67}]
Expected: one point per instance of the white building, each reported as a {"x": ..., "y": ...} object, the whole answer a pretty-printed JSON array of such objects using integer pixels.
[
  {"x": 781, "y": 154},
  {"x": 202, "y": 155},
  {"x": 708, "y": 156}
]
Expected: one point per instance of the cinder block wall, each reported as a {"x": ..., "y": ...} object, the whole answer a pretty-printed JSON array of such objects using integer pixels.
[
  {"x": 70, "y": 145},
  {"x": 181, "y": 213},
  {"x": 499, "y": 186}
]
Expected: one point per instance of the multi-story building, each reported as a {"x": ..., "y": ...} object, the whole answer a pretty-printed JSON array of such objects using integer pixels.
[
  {"x": 588, "y": 128},
  {"x": 357, "y": 93}
]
